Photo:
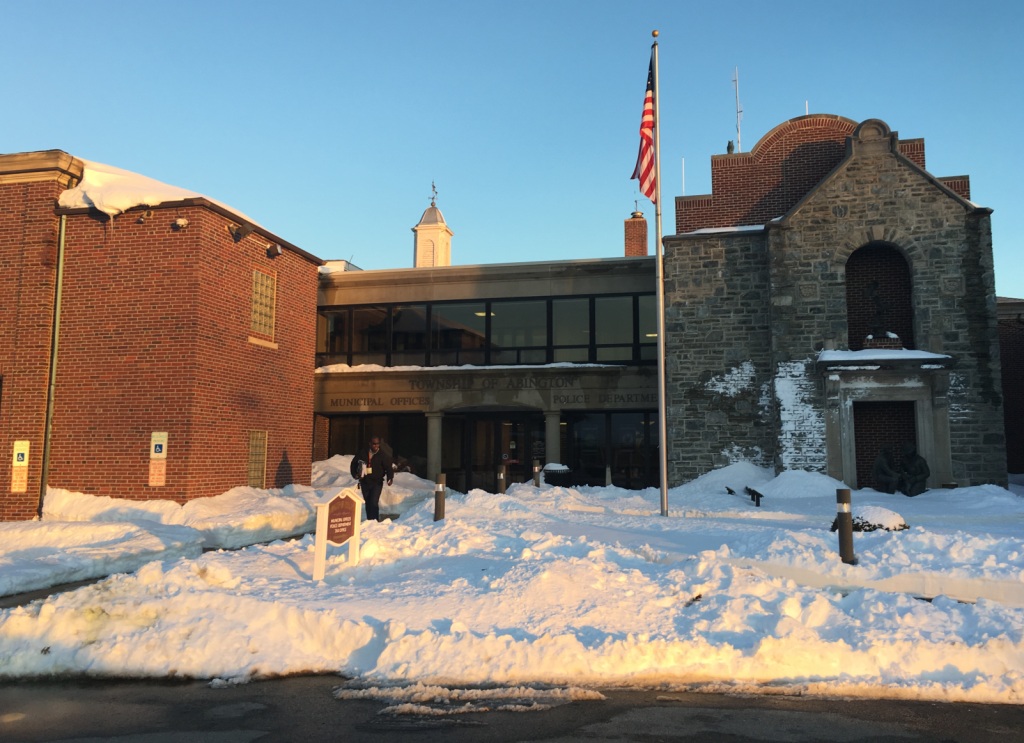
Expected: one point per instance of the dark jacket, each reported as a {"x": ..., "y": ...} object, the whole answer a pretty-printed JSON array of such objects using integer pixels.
[{"x": 380, "y": 465}]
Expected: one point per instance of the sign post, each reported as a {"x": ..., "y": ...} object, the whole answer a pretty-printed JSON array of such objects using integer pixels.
[{"x": 337, "y": 522}]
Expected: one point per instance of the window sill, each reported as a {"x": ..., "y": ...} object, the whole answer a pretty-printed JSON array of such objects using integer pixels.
[{"x": 261, "y": 342}]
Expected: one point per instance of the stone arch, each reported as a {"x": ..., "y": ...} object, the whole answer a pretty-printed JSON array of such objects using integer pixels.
[{"x": 879, "y": 293}]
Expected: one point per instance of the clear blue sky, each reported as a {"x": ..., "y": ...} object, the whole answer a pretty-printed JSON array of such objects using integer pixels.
[{"x": 327, "y": 121}]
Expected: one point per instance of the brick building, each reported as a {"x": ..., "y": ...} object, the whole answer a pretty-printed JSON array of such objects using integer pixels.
[
  {"x": 829, "y": 298},
  {"x": 1011, "y": 351},
  {"x": 156, "y": 349}
]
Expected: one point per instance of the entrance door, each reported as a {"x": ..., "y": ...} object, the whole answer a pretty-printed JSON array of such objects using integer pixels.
[{"x": 486, "y": 442}]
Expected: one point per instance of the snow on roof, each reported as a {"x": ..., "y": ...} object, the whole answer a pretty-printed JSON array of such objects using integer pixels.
[
  {"x": 113, "y": 190},
  {"x": 879, "y": 354},
  {"x": 738, "y": 228}
]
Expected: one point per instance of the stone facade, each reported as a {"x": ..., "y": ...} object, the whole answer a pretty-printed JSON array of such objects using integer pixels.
[{"x": 768, "y": 296}]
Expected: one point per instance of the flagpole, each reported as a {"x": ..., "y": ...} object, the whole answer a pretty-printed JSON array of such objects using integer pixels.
[{"x": 662, "y": 404}]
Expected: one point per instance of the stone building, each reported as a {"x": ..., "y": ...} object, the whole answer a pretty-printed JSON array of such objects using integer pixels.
[
  {"x": 157, "y": 345},
  {"x": 831, "y": 298}
]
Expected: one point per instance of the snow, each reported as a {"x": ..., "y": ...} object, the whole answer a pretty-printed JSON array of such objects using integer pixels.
[
  {"x": 547, "y": 594},
  {"x": 878, "y": 354},
  {"x": 377, "y": 368},
  {"x": 113, "y": 190}
]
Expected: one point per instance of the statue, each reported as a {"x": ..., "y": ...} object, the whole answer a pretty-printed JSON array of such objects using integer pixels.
[
  {"x": 915, "y": 471},
  {"x": 884, "y": 473},
  {"x": 877, "y": 318}
]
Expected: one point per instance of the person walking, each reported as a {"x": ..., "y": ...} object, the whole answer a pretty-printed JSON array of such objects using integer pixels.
[{"x": 371, "y": 467}]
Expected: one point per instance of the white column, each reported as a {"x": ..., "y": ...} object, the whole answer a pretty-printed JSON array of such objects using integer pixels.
[{"x": 553, "y": 437}]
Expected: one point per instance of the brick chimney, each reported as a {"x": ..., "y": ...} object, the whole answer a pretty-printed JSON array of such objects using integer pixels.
[{"x": 636, "y": 235}]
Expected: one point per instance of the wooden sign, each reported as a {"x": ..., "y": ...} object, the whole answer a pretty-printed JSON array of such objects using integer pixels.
[{"x": 337, "y": 523}]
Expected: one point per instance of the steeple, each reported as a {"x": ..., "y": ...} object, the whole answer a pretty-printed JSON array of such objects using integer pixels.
[{"x": 432, "y": 241}]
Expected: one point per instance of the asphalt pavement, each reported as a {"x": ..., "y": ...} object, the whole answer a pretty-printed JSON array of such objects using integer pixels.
[{"x": 304, "y": 709}]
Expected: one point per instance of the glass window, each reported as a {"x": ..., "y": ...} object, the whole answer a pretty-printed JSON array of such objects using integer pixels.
[
  {"x": 516, "y": 325},
  {"x": 570, "y": 321},
  {"x": 257, "y": 467},
  {"x": 648, "y": 318},
  {"x": 264, "y": 289},
  {"x": 337, "y": 333},
  {"x": 369, "y": 335},
  {"x": 409, "y": 335},
  {"x": 613, "y": 320},
  {"x": 458, "y": 333}
]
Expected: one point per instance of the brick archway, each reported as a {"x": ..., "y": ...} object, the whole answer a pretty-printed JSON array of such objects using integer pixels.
[{"x": 878, "y": 298}]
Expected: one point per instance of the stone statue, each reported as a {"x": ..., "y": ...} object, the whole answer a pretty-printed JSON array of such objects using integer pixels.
[
  {"x": 915, "y": 471},
  {"x": 877, "y": 322},
  {"x": 884, "y": 473}
]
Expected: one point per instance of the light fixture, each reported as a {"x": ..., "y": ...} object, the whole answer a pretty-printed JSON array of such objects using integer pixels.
[
  {"x": 180, "y": 223},
  {"x": 240, "y": 232},
  {"x": 274, "y": 250},
  {"x": 144, "y": 216}
]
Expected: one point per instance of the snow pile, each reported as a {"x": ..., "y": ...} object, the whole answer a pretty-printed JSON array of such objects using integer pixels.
[{"x": 565, "y": 589}]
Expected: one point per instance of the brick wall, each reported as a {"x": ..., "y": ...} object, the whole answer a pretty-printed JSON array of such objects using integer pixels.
[
  {"x": 636, "y": 235},
  {"x": 878, "y": 296},
  {"x": 878, "y": 425},
  {"x": 1011, "y": 347},
  {"x": 155, "y": 337},
  {"x": 28, "y": 248},
  {"x": 753, "y": 187}
]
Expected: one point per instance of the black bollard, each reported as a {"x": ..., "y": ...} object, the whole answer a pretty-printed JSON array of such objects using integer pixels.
[
  {"x": 501, "y": 479},
  {"x": 439, "y": 497},
  {"x": 844, "y": 525},
  {"x": 536, "y": 473}
]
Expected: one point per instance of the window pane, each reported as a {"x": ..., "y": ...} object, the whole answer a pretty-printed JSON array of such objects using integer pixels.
[
  {"x": 257, "y": 466},
  {"x": 409, "y": 335},
  {"x": 648, "y": 318},
  {"x": 570, "y": 321},
  {"x": 520, "y": 323},
  {"x": 263, "y": 298},
  {"x": 615, "y": 353},
  {"x": 613, "y": 319},
  {"x": 369, "y": 335},
  {"x": 571, "y": 355},
  {"x": 337, "y": 333},
  {"x": 458, "y": 333}
]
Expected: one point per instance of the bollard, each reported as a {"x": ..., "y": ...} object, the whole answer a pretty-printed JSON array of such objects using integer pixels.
[
  {"x": 844, "y": 524},
  {"x": 439, "y": 497},
  {"x": 501, "y": 479},
  {"x": 536, "y": 473}
]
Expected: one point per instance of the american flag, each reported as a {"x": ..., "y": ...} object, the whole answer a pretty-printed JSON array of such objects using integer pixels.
[{"x": 644, "y": 170}]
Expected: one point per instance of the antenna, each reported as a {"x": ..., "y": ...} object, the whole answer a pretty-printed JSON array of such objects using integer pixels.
[
  {"x": 684, "y": 176},
  {"x": 739, "y": 109},
  {"x": 807, "y": 108}
]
